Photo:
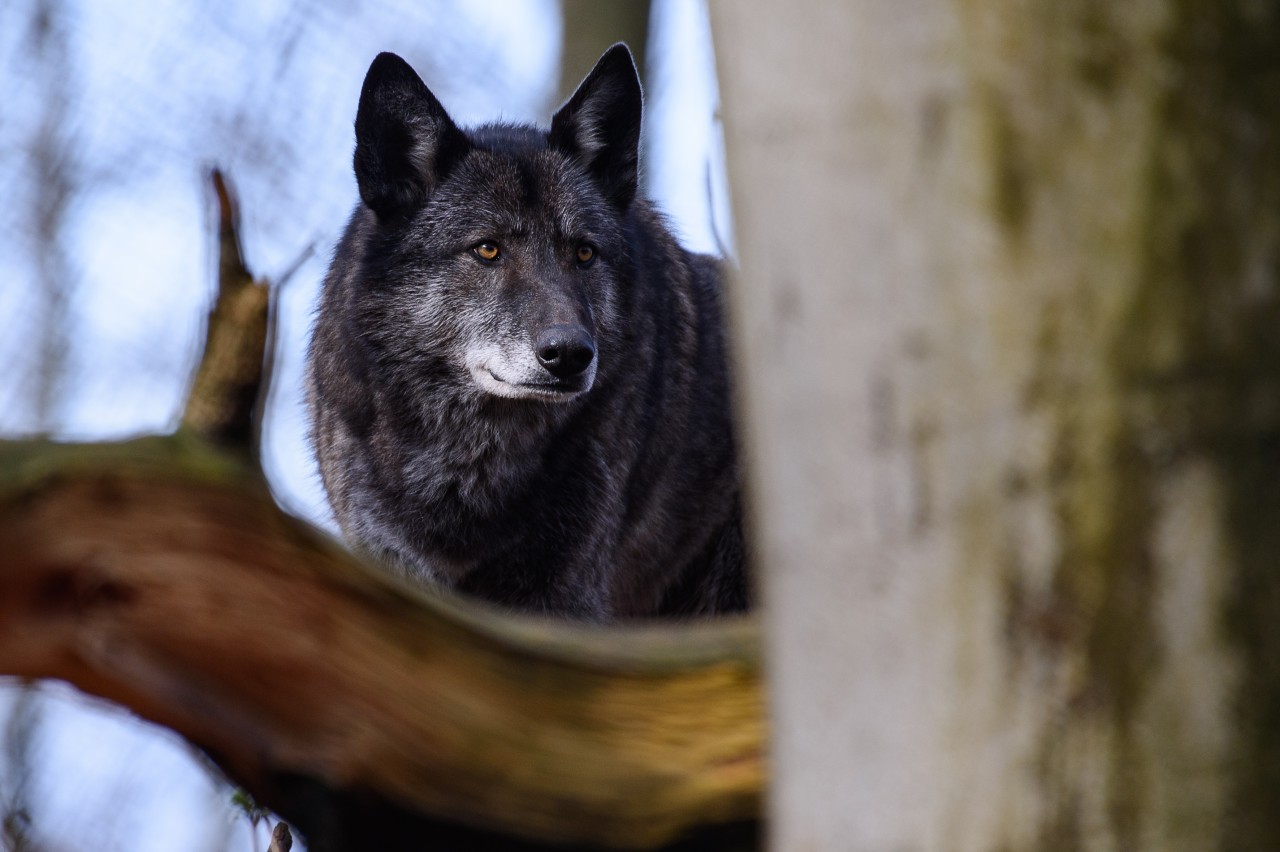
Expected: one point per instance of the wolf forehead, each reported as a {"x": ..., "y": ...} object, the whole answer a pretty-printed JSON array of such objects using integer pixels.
[{"x": 512, "y": 181}]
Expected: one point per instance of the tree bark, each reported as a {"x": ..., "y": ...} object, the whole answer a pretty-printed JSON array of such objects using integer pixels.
[
  {"x": 1009, "y": 331},
  {"x": 593, "y": 26},
  {"x": 159, "y": 574}
]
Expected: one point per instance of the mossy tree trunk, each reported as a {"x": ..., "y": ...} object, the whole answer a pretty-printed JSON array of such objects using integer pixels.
[{"x": 1009, "y": 327}]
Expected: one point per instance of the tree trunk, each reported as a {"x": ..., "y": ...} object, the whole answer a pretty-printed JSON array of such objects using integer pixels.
[
  {"x": 1009, "y": 332},
  {"x": 590, "y": 28}
]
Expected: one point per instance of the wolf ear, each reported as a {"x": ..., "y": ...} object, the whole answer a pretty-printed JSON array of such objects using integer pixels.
[
  {"x": 600, "y": 125},
  {"x": 405, "y": 141}
]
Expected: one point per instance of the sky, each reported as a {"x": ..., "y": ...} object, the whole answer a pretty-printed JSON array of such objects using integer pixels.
[{"x": 151, "y": 93}]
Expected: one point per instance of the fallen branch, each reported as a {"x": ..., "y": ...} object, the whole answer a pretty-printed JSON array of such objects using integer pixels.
[{"x": 159, "y": 573}]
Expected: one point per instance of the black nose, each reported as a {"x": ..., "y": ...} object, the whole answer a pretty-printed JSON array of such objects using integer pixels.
[{"x": 565, "y": 350}]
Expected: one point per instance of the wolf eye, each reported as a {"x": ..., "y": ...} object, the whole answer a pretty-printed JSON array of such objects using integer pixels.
[
  {"x": 585, "y": 254},
  {"x": 486, "y": 251}
]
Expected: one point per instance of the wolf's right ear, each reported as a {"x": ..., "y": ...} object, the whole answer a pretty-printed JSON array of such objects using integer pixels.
[
  {"x": 405, "y": 141},
  {"x": 600, "y": 125}
]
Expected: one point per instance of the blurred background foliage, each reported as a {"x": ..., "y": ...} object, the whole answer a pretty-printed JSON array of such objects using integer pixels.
[{"x": 113, "y": 112}]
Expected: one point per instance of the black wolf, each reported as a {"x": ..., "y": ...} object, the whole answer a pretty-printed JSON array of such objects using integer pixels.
[{"x": 517, "y": 378}]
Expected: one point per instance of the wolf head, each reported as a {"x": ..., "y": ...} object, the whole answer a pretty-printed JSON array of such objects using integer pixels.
[{"x": 495, "y": 257}]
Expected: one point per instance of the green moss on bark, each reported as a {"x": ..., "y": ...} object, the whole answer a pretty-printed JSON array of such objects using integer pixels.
[{"x": 1158, "y": 346}]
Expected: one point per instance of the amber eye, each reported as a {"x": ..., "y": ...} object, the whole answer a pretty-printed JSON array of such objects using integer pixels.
[
  {"x": 488, "y": 252},
  {"x": 586, "y": 254}
]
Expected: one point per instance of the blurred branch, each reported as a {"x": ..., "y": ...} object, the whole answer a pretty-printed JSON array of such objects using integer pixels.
[
  {"x": 53, "y": 188},
  {"x": 222, "y": 405},
  {"x": 281, "y": 839},
  {"x": 158, "y": 573},
  {"x": 15, "y": 782}
]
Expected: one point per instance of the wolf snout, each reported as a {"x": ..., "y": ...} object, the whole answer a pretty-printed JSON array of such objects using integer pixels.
[{"x": 565, "y": 351}]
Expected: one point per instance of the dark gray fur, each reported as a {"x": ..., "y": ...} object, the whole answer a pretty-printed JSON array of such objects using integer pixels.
[{"x": 451, "y": 444}]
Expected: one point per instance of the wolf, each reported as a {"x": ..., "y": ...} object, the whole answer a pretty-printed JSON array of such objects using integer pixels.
[{"x": 517, "y": 378}]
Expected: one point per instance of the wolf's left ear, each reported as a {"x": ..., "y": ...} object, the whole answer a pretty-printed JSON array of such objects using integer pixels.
[
  {"x": 405, "y": 141},
  {"x": 600, "y": 125}
]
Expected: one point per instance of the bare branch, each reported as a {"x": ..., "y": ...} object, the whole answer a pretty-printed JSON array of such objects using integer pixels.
[
  {"x": 224, "y": 396},
  {"x": 281, "y": 839},
  {"x": 159, "y": 573}
]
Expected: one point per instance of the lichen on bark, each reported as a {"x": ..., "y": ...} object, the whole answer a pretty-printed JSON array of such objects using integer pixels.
[{"x": 1134, "y": 183}]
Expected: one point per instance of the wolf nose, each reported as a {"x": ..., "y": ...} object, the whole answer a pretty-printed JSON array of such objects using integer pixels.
[{"x": 565, "y": 350}]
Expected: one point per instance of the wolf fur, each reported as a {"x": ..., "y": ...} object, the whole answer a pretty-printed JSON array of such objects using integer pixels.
[{"x": 517, "y": 378}]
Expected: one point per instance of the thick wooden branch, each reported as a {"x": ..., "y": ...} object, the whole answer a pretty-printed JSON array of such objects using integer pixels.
[{"x": 160, "y": 574}]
